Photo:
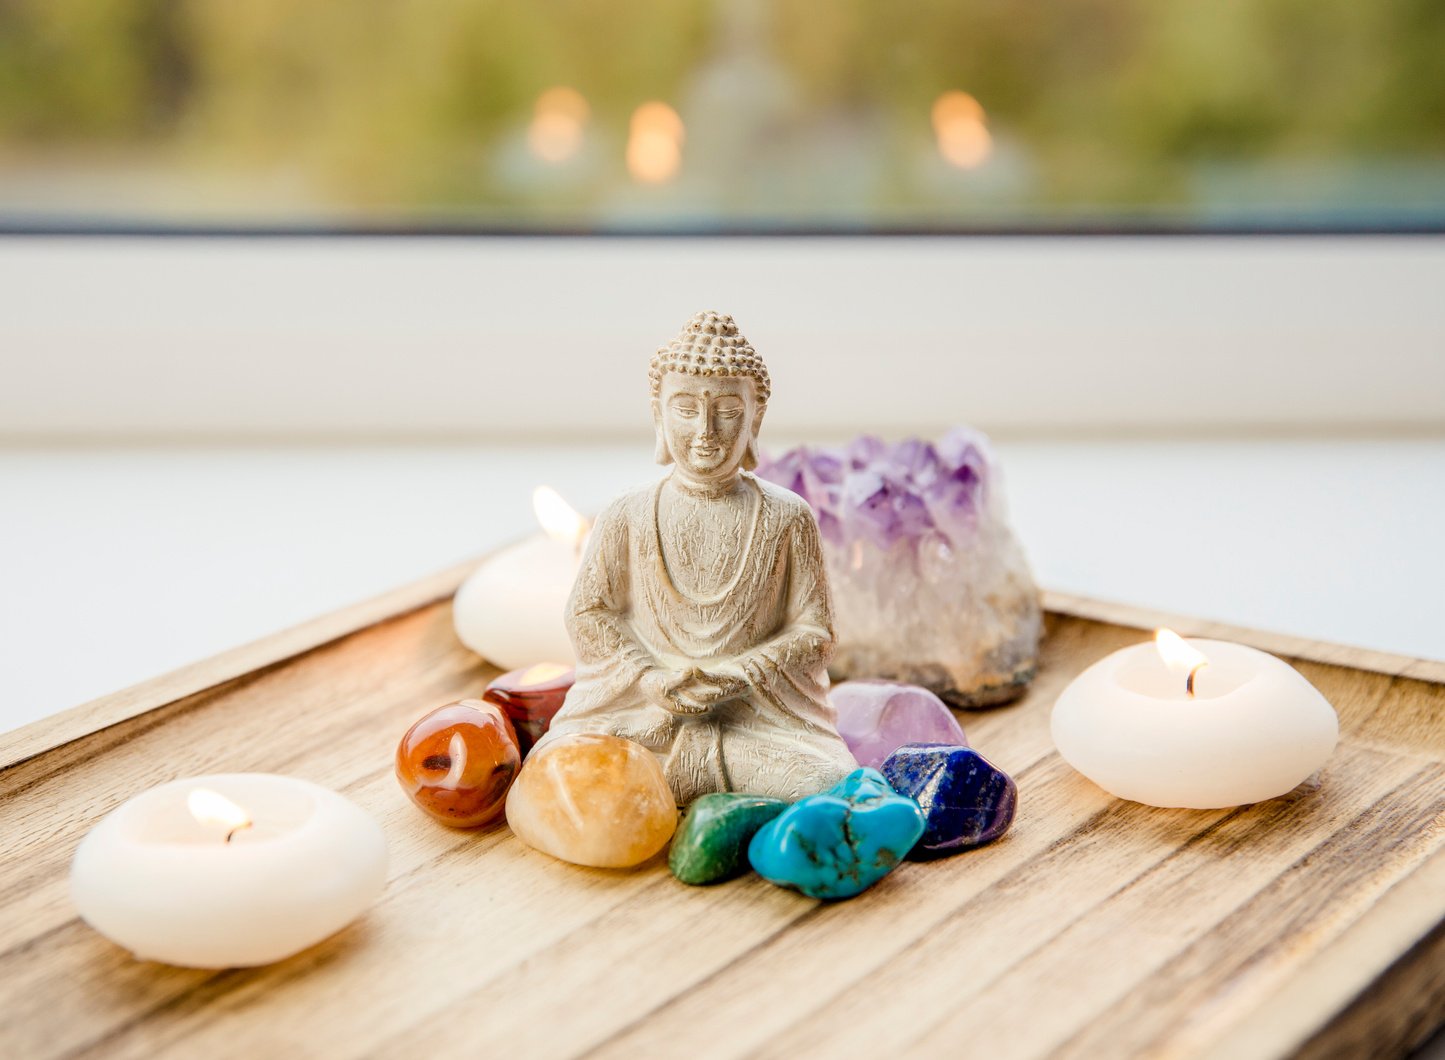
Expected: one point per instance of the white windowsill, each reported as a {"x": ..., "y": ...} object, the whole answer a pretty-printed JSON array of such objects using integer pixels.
[{"x": 546, "y": 339}]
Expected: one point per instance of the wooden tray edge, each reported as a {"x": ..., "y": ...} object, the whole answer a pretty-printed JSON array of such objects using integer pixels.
[
  {"x": 60, "y": 729},
  {"x": 1335, "y": 1007},
  {"x": 49, "y": 733},
  {"x": 1284, "y": 644}
]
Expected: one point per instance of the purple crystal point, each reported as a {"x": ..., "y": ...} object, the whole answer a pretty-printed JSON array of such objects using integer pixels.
[
  {"x": 954, "y": 495},
  {"x": 875, "y": 718},
  {"x": 913, "y": 462},
  {"x": 863, "y": 451},
  {"x": 823, "y": 473},
  {"x": 824, "y": 466},
  {"x": 787, "y": 471},
  {"x": 817, "y": 476},
  {"x": 882, "y": 509},
  {"x": 963, "y": 446}
]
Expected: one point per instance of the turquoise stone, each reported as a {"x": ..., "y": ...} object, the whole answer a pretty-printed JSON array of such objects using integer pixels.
[
  {"x": 839, "y": 843},
  {"x": 712, "y": 841}
]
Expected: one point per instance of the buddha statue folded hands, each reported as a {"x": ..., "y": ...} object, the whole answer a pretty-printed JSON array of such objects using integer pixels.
[{"x": 701, "y": 616}]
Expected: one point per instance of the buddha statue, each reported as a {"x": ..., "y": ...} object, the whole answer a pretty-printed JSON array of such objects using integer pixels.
[{"x": 701, "y": 617}]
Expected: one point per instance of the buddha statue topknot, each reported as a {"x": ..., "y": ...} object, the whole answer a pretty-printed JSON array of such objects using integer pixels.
[{"x": 701, "y": 616}]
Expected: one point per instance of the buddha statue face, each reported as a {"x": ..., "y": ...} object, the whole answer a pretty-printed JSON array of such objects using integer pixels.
[{"x": 707, "y": 424}]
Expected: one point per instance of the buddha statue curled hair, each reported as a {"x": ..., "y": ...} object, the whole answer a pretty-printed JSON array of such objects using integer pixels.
[{"x": 709, "y": 344}]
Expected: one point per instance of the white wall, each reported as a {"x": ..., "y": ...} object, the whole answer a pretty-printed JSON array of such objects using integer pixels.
[{"x": 506, "y": 338}]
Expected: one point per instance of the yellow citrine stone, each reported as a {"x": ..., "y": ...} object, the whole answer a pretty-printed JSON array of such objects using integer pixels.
[{"x": 593, "y": 800}]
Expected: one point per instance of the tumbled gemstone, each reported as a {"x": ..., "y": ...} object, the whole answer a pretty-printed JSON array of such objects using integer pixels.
[
  {"x": 966, "y": 800},
  {"x": 593, "y": 800},
  {"x": 839, "y": 843},
  {"x": 711, "y": 844},
  {"x": 531, "y": 697},
  {"x": 458, "y": 762},
  {"x": 875, "y": 718}
]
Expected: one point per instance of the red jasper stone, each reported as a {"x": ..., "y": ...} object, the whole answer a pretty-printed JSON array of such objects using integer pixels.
[
  {"x": 458, "y": 762},
  {"x": 531, "y": 697}
]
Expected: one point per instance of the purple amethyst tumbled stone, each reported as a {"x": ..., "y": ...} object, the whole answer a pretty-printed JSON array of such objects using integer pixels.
[
  {"x": 875, "y": 718},
  {"x": 966, "y": 800}
]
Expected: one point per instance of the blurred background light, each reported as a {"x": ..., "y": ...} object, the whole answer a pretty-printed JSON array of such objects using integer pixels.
[
  {"x": 559, "y": 118},
  {"x": 958, "y": 122},
  {"x": 512, "y": 114},
  {"x": 654, "y": 143}
]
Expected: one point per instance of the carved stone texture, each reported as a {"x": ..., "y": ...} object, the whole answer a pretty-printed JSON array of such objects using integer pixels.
[
  {"x": 701, "y": 616},
  {"x": 930, "y": 583}
]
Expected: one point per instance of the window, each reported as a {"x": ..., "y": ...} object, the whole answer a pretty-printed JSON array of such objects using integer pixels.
[{"x": 717, "y": 115}]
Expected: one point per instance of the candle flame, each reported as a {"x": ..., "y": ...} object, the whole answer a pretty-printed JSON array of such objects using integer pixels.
[
  {"x": 1177, "y": 653},
  {"x": 559, "y": 520},
  {"x": 542, "y": 673},
  {"x": 211, "y": 807},
  {"x": 1180, "y": 655}
]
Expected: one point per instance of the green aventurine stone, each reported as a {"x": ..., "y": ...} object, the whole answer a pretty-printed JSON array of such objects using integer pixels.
[{"x": 711, "y": 844}]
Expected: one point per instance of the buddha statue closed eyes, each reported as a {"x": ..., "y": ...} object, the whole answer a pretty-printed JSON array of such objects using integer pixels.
[{"x": 700, "y": 616}]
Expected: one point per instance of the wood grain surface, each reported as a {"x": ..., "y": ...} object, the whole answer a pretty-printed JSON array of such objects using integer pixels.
[{"x": 1308, "y": 925}]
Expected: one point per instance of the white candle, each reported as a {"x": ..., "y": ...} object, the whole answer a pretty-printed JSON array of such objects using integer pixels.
[
  {"x": 1201, "y": 724},
  {"x": 511, "y": 610},
  {"x": 228, "y": 871}
]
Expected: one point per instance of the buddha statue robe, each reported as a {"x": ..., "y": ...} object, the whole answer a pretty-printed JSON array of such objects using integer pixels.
[{"x": 767, "y": 621}]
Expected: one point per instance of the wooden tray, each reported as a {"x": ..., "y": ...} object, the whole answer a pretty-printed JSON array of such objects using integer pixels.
[{"x": 1310, "y": 924}]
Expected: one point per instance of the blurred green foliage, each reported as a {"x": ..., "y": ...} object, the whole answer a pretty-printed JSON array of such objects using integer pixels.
[{"x": 796, "y": 110}]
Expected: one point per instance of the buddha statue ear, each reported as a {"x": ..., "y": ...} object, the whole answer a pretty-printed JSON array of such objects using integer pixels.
[
  {"x": 750, "y": 454},
  {"x": 662, "y": 454}
]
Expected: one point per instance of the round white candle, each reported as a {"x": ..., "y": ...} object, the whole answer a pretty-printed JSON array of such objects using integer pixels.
[
  {"x": 1254, "y": 728},
  {"x": 159, "y": 876},
  {"x": 512, "y": 609}
]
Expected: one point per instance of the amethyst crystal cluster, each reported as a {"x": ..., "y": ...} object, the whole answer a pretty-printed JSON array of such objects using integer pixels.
[{"x": 930, "y": 586}]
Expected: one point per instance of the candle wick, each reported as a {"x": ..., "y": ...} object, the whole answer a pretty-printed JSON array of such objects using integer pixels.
[
  {"x": 232, "y": 833},
  {"x": 1189, "y": 681}
]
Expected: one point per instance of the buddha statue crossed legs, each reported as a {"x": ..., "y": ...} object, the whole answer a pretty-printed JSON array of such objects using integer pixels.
[{"x": 700, "y": 616}]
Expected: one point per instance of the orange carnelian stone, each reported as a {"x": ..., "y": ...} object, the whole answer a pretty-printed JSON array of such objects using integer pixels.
[{"x": 458, "y": 762}]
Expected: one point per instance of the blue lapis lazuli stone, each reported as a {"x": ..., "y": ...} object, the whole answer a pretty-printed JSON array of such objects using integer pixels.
[
  {"x": 839, "y": 843},
  {"x": 966, "y": 800}
]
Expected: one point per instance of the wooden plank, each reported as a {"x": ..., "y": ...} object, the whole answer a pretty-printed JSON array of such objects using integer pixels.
[
  {"x": 1095, "y": 927},
  {"x": 1399, "y": 949}
]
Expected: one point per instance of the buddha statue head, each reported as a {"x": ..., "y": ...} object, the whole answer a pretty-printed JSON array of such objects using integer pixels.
[{"x": 709, "y": 392}]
